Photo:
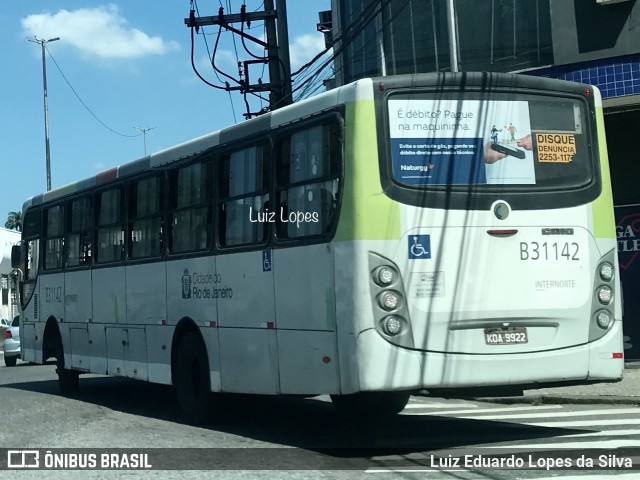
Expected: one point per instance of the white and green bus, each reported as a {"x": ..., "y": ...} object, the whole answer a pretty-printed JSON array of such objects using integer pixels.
[{"x": 392, "y": 235}]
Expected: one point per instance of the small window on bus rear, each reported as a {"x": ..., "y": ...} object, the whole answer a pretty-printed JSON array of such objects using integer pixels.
[{"x": 510, "y": 143}]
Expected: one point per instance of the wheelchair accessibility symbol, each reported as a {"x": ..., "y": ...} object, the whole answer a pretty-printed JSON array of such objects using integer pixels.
[
  {"x": 419, "y": 247},
  {"x": 266, "y": 261}
]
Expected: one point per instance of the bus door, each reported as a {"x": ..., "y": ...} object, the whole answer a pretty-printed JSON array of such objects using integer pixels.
[
  {"x": 78, "y": 295},
  {"x": 30, "y": 254},
  {"x": 192, "y": 280},
  {"x": 146, "y": 277},
  {"x": 50, "y": 302},
  {"x": 108, "y": 285},
  {"x": 244, "y": 276},
  {"x": 307, "y": 199}
]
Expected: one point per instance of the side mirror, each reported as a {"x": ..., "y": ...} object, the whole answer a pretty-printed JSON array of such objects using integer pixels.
[{"x": 16, "y": 256}]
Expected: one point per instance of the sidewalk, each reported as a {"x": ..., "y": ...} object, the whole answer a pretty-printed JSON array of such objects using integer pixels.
[{"x": 625, "y": 392}]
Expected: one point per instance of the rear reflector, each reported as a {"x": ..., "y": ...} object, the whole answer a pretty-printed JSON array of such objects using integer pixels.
[{"x": 618, "y": 355}]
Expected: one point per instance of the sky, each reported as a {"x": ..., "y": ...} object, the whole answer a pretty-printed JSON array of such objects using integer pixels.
[{"x": 129, "y": 64}]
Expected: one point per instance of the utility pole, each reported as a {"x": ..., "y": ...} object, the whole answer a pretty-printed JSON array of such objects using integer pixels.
[
  {"x": 144, "y": 136},
  {"x": 280, "y": 55},
  {"x": 277, "y": 46},
  {"x": 46, "y": 106}
]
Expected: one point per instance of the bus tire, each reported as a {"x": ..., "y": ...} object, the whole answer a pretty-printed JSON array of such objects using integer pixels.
[
  {"x": 10, "y": 361},
  {"x": 192, "y": 381},
  {"x": 370, "y": 404},
  {"x": 68, "y": 380}
]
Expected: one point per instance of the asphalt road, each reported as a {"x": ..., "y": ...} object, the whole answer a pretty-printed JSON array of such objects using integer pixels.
[{"x": 122, "y": 413}]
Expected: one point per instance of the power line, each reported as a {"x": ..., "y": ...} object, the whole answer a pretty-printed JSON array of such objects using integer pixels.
[
  {"x": 84, "y": 104},
  {"x": 233, "y": 109},
  {"x": 242, "y": 83}
]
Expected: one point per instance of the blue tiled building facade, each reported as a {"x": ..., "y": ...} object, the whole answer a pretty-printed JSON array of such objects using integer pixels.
[{"x": 615, "y": 77}]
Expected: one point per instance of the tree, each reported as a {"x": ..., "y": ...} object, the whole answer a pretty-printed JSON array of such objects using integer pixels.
[{"x": 14, "y": 221}]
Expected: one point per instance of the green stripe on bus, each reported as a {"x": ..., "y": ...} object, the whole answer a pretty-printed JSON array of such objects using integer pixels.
[
  {"x": 604, "y": 225},
  {"x": 366, "y": 213}
]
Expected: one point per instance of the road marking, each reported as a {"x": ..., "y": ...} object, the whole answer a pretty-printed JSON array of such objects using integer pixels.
[
  {"x": 599, "y": 476},
  {"x": 603, "y": 433},
  {"x": 490, "y": 410},
  {"x": 417, "y": 470},
  {"x": 584, "y": 423},
  {"x": 440, "y": 405},
  {"x": 583, "y": 413},
  {"x": 594, "y": 444},
  {"x": 589, "y": 440}
]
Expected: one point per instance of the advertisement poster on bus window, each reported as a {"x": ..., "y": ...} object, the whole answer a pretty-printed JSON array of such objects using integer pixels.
[{"x": 460, "y": 142}]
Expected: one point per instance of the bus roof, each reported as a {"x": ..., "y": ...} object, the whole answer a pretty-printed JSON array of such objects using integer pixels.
[
  {"x": 324, "y": 101},
  {"x": 358, "y": 90}
]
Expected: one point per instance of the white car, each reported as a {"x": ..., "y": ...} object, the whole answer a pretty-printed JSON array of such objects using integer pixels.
[{"x": 12, "y": 343}]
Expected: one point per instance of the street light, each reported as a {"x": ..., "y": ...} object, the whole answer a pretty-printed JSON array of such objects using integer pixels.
[
  {"x": 144, "y": 136},
  {"x": 46, "y": 106}
]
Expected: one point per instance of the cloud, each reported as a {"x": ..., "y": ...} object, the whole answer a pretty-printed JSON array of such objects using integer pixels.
[
  {"x": 226, "y": 59},
  {"x": 97, "y": 32},
  {"x": 304, "y": 48}
]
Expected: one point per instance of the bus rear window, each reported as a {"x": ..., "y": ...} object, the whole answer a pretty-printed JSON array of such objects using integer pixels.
[{"x": 508, "y": 143}]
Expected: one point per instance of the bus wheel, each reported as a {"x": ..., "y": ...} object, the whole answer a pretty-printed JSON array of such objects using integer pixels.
[
  {"x": 68, "y": 380},
  {"x": 192, "y": 381},
  {"x": 371, "y": 404}
]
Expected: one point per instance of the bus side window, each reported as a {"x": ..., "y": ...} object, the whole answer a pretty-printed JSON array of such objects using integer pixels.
[
  {"x": 109, "y": 226},
  {"x": 190, "y": 192},
  {"x": 78, "y": 251},
  {"x": 308, "y": 183},
  {"x": 54, "y": 237},
  {"x": 244, "y": 197},
  {"x": 145, "y": 217},
  {"x": 31, "y": 231}
]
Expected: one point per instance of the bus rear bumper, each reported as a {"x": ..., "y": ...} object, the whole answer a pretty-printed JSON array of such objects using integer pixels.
[{"x": 383, "y": 366}]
